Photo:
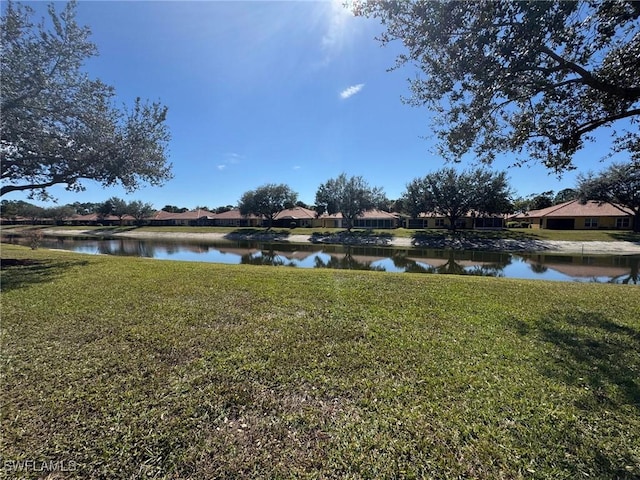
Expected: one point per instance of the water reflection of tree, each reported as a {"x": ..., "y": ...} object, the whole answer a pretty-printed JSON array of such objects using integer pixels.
[
  {"x": 127, "y": 248},
  {"x": 346, "y": 261},
  {"x": 266, "y": 257},
  {"x": 493, "y": 264},
  {"x": 634, "y": 273},
  {"x": 539, "y": 268},
  {"x": 491, "y": 270}
]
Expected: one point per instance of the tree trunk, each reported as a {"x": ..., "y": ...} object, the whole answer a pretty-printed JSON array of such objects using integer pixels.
[
  {"x": 636, "y": 221},
  {"x": 452, "y": 224},
  {"x": 349, "y": 222}
]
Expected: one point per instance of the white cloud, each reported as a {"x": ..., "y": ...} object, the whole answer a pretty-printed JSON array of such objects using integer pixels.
[
  {"x": 229, "y": 159},
  {"x": 297, "y": 167},
  {"x": 351, "y": 91},
  {"x": 234, "y": 158}
]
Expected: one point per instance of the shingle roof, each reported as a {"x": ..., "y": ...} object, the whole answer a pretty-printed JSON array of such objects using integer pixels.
[
  {"x": 369, "y": 214},
  {"x": 162, "y": 215},
  {"x": 470, "y": 214},
  {"x": 94, "y": 217},
  {"x": 573, "y": 208},
  {"x": 233, "y": 214},
  {"x": 195, "y": 214},
  {"x": 295, "y": 214},
  {"x": 189, "y": 215}
]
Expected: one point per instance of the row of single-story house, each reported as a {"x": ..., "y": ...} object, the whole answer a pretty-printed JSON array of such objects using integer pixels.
[
  {"x": 304, "y": 217},
  {"x": 573, "y": 215},
  {"x": 565, "y": 216},
  {"x": 471, "y": 220}
]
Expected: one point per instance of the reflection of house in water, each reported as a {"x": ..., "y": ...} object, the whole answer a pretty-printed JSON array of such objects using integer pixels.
[
  {"x": 458, "y": 262},
  {"x": 125, "y": 247},
  {"x": 346, "y": 260},
  {"x": 195, "y": 247},
  {"x": 438, "y": 258},
  {"x": 240, "y": 252},
  {"x": 361, "y": 259},
  {"x": 441, "y": 262},
  {"x": 585, "y": 267},
  {"x": 296, "y": 255}
]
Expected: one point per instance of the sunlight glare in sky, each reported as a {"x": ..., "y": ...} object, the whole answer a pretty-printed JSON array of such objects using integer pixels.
[{"x": 271, "y": 92}]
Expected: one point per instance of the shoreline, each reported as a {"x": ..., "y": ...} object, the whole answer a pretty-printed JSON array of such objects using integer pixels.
[{"x": 618, "y": 247}]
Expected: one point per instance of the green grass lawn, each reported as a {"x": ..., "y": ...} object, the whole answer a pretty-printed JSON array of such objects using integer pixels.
[{"x": 137, "y": 368}]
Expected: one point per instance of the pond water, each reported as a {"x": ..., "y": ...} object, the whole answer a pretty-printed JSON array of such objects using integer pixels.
[{"x": 546, "y": 266}]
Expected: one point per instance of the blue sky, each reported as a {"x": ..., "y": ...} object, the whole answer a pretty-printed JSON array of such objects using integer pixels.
[{"x": 270, "y": 92}]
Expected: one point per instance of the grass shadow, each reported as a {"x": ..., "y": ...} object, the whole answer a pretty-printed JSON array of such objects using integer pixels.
[
  {"x": 502, "y": 234},
  {"x": 112, "y": 230},
  {"x": 429, "y": 237},
  {"x": 626, "y": 236},
  {"x": 593, "y": 353},
  {"x": 18, "y": 273},
  {"x": 473, "y": 235},
  {"x": 353, "y": 237},
  {"x": 489, "y": 240},
  {"x": 261, "y": 234}
]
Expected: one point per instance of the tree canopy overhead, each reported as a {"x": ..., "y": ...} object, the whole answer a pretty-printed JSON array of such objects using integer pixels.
[
  {"x": 58, "y": 126},
  {"x": 536, "y": 78}
]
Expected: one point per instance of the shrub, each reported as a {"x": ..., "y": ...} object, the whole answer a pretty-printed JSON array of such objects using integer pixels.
[{"x": 35, "y": 237}]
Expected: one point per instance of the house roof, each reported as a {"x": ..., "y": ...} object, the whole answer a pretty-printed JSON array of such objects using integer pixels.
[
  {"x": 94, "y": 217},
  {"x": 189, "y": 215},
  {"x": 369, "y": 214},
  {"x": 233, "y": 214},
  {"x": 573, "y": 208},
  {"x": 296, "y": 213},
  {"x": 196, "y": 214},
  {"x": 162, "y": 215},
  {"x": 467, "y": 215}
]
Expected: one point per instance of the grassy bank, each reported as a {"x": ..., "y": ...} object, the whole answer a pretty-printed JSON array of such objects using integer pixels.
[
  {"x": 512, "y": 233},
  {"x": 136, "y": 368}
]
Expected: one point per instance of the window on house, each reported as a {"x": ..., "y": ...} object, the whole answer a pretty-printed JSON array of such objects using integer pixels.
[
  {"x": 591, "y": 223},
  {"x": 439, "y": 222},
  {"x": 622, "y": 222}
]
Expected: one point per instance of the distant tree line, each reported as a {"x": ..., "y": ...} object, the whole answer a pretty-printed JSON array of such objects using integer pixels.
[
  {"x": 115, "y": 206},
  {"x": 446, "y": 192}
]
